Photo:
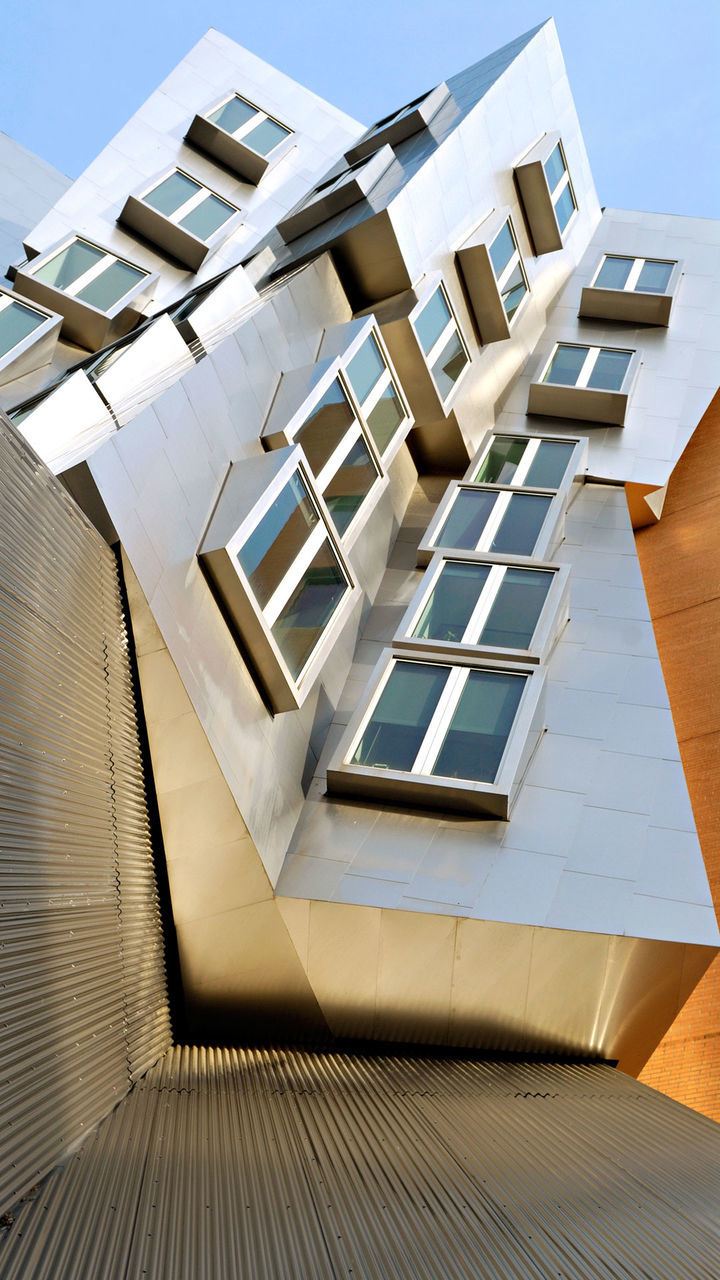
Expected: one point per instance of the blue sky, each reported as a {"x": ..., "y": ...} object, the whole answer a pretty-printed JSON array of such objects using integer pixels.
[{"x": 644, "y": 73}]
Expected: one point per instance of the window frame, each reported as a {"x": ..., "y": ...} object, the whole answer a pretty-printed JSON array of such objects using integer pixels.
[
  {"x": 548, "y": 538},
  {"x": 577, "y": 399},
  {"x": 551, "y": 620},
  {"x": 250, "y": 489},
  {"x": 336, "y": 193},
  {"x": 401, "y": 124},
  {"x": 452, "y": 326},
  {"x": 539, "y": 200},
  {"x": 163, "y": 230},
  {"x": 575, "y": 466},
  {"x": 482, "y": 284},
  {"x": 630, "y": 305},
  {"x": 231, "y": 148},
  {"x": 37, "y": 347},
  {"x": 419, "y": 788}
]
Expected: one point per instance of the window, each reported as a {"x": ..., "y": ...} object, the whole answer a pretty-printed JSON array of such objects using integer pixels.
[
  {"x": 180, "y": 216},
  {"x": 27, "y": 337},
  {"x": 525, "y": 461},
  {"x": 379, "y": 399},
  {"x": 547, "y": 193},
  {"x": 638, "y": 290},
  {"x": 17, "y": 322},
  {"x": 494, "y": 275},
  {"x": 440, "y": 733},
  {"x": 242, "y": 136},
  {"x": 561, "y": 192},
  {"x": 592, "y": 383},
  {"x": 336, "y": 193},
  {"x": 443, "y": 347},
  {"x": 92, "y": 275},
  {"x": 471, "y": 518},
  {"x": 280, "y": 572},
  {"x": 401, "y": 124},
  {"x": 336, "y": 450},
  {"x": 509, "y": 269},
  {"x": 466, "y": 603}
]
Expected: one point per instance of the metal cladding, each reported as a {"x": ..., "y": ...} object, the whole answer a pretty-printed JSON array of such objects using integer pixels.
[
  {"x": 275, "y": 1163},
  {"x": 84, "y": 1008}
]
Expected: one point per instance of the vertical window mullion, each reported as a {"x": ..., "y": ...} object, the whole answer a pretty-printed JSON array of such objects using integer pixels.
[
  {"x": 293, "y": 573},
  {"x": 588, "y": 366},
  {"x": 634, "y": 275},
  {"x": 485, "y": 603},
  {"x": 494, "y": 521},
  {"x": 442, "y": 715},
  {"x": 90, "y": 275},
  {"x": 525, "y": 463}
]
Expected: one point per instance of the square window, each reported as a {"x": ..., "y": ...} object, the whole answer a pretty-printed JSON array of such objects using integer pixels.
[
  {"x": 280, "y": 572},
  {"x": 242, "y": 136},
  {"x": 181, "y": 216},
  {"x": 451, "y": 735},
  {"x": 547, "y": 193},
  {"x": 592, "y": 383},
  {"x": 484, "y": 518},
  {"x": 526, "y": 461},
  {"x": 634, "y": 290}
]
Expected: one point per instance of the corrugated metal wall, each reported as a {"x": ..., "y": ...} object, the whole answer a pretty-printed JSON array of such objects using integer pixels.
[
  {"x": 83, "y": 1007},
  {"x": 266, "y": 1164}
]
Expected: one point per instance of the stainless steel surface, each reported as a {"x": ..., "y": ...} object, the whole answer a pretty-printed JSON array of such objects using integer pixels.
[
  {"x": 260, "y": 1164},
  {"x": 84, "y": 1008}
]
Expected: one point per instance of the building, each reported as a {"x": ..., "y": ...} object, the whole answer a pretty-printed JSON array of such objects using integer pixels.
[{"x": 333, "y": 689}]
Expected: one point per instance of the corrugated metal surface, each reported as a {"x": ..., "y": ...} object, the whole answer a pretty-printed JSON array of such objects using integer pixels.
[
  {"x": 83, "y": 1008},
  {"x": 272, "y": 1163}
]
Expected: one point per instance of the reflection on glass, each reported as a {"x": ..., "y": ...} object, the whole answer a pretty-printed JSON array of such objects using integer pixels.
[
  {"x": 609, "y": 370},
  {"x": 449, "y": 365},
  {"x": 614, "y": 272},
  {"x": 301, "y": 622},
  {"x": 350, "y": 485},
  {"x": 565, "y": 365},
  {"x": 501, "y": 461},
  {"x": 502, "y": 250},
  {"x": 516, "y": 608},
  {"x": 69, "y": 264},
  {"x": 385, "y": 418},
  {"x": 326, "y": 426},
  {"x": 207, "y": 217},
  {"x": 452, "y": 601},
  {"x": 513, "y": 291},
  {"x": 466, "y": 519},
  {"x": 520, "y": 526},
  {"x": 232, "y": 115},
  {"x": 433, "y": 319},
  {"x": 17, "y": 322},
  {"x": 172, "y": 192},
  {"x": 549, "y": 464},
  {"x": 365, "y": 368},
  {"x": 654, "y": 277},
  {"x": 554, "y": 167},
  {"x": 275, "y": 542},
  {"x": 395, "y": 731},
  {"x": 111, "y": 285},
  {"x": 564, "y": 207},
  {"x": 479, "y": 730},
  {"x": 266, "y": 136}
]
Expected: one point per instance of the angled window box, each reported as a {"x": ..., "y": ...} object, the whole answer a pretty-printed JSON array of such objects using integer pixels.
[
  {"x": 524, "y": 461},
  {"x": 494, "y": 275},
  {"x": 336, "y": 194},
  {"x": 276, "y": 561},
  {"x": 99, "y": 295},
  {"x": 590, "y": 383},
  {"x": 375, "y": 387},
  {"x": 489, "y": 518},
  {"x": 28, "y": 337},
  {"x": 241, "y": 136},
  {"x": 509, "y": 611},
  {"x": 547, "y": 193},
  {"x": 432, "y": 733},
  {"x": 182, "y": 217},
  {"x": 402, "y": 124},
  {"x": 633, "y": 290}
]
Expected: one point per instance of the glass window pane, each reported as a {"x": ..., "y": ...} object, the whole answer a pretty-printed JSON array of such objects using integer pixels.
[
  {"x": 609, "y": 370},
  {"x": 233, "y": 115},
  {"x": 171, "y": 193},
  {"x": 395, "y": 732},
  {"x": 266, "y": 136},
  {"x": 16, "y": 322},
  {"x": 566, "y": 365},
  {"x": 564, "y": 208},
  {"x": 521, "y": 524},
  {"x": 513, "y": 291},
  {"x": 69, "y": 264},
  {"x": 206, "y": 217},
  {"x": 111, "y": 285},
  {"x": 501, "y": 462},
  {"x": 432, "y": 320},
  {"x": 466, "y": 519},
  {"x": 452, "y": 600},
  {"x": 479, "y": 730},
  {"x": 326, "y": 426},
  {"x": 517, "y": 606},
  {"x": 613, "y": 273},
  {"x": 654, "y": 277},
  {"x": 554, "y": 167},
  {"x": 350, "y": 485},
  {"x": 273, "y": 545},
  {"x": 549, "y": 464},
  {"x": 449, "y": 365},
  {"x": 303, "y": 619},
  {"x": 502, "y": 250},
  {"x": 385, "y": 418},
  {"x": 365, "y": 368}
]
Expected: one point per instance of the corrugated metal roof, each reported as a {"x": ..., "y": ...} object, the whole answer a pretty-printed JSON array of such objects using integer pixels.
[{"x": 277, "y": 1163}]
